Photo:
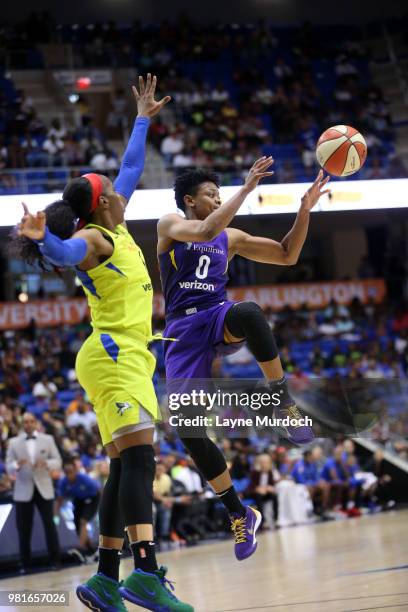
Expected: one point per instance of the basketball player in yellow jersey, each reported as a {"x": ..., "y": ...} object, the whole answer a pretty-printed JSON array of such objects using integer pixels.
[{"x": 86, "y": 230}]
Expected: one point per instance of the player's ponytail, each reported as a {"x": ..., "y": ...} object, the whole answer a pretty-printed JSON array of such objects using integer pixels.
[{"x": 62, "y": 219}]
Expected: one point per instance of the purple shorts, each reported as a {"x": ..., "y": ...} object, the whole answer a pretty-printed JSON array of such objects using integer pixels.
[{"x": 200, "y": 338}]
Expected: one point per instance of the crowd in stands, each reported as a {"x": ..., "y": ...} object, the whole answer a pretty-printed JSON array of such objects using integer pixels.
[
  {"x": 27, "y": 141},
  {"x": 238, "y": 92}
]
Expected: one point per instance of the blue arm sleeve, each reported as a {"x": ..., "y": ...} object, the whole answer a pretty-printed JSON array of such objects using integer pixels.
[
  {"x": 62, "y": 252},
  {"x": 133, "y": 160}
]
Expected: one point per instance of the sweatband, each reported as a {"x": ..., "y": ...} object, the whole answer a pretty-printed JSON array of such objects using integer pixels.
[
  {"x": 133, "y": 160},
  {"x": 62, "y": 252},
  {"x": 247, "y": 320},
  {"x": 97, "y": 188}
]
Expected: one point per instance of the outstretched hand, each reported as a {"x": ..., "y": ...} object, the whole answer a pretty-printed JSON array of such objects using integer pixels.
[
  {"x": 258, "y": 171},
  {"x": 147, "y": 106},
  {"x": 314, "y": 193},
  {"x": 32, "y": 226}
]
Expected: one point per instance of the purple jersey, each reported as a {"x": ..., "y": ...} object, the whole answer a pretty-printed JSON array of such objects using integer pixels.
[{"x": 194, "y": 273}]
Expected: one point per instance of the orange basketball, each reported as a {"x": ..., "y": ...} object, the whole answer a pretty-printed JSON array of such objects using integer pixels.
[{"x": 341, "y": 150}]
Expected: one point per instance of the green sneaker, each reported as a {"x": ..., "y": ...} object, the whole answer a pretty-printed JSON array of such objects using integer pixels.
[
  {"x": 101, "y": 594},
  {"x": 152, "y": 591}
]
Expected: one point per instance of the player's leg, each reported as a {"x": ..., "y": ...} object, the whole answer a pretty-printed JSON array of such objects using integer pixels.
[
  {"x": 101, "y": 591},
  {"x": 192, "y": 360},
  {"x": 147, "y": 585},
  {"x": 246, "y": 321}
]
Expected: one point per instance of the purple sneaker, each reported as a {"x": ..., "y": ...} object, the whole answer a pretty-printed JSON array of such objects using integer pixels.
[
  {"x": 244, "y": 529},
  {"x": 297, "y": 434}
]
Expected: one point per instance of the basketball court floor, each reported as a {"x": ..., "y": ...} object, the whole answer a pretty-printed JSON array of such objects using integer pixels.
[{"x": 345, "y": 566}]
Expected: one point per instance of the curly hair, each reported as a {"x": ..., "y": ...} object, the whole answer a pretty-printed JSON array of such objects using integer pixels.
[
  {"x": 61, "y": 218},
  {"x": 188, "y": 182}
]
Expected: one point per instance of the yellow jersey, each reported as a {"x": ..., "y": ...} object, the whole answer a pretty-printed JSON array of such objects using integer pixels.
[{"x": 119, "y": 290}]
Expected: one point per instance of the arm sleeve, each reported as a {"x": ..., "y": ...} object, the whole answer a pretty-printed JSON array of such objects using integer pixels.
[
  {"x": 132, "y": 165},
  {"x": 62, "y": 252}
]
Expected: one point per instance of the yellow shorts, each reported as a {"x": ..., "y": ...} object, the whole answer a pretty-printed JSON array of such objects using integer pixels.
[{"x": 116, "y": 372}]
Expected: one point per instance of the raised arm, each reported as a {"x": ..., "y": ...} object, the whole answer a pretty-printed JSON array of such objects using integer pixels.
[
  {"x": 132, "y": 165},
  {"x": 286, "y": 252},
  {"x": 184, "y": 230}
]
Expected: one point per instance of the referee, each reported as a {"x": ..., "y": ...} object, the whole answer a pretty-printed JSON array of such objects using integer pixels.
[{"x": 84, "y": 493}]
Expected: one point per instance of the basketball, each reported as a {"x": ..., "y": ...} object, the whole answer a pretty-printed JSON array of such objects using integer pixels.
[{"x": 341, "y": 150}]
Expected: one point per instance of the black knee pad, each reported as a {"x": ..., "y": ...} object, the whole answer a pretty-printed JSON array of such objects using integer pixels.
[
  {"x": 206, "y": 455},
  {"x": 247, "y": 320},
  {"x": 136, "y": 484},
  {"x": 111, "y": 523}
]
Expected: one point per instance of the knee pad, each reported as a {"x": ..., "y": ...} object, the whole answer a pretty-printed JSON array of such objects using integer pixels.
[
  {"x": 247, "y": 320},
  {"x": 111, "y": 523},
  {"x": 136, "y": 484},
  {"x": 206, "y": 455}
]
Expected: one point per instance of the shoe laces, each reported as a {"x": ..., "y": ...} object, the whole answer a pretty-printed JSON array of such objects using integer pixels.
[
  {"x": 168, "y": 584},
  {"x": 238, "y": 527},
  {"x": 293, "y": 412}
]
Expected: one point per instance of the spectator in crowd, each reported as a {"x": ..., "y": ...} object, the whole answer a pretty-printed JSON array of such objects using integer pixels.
[
  {"x": 378, "y": 466},
  {"x": 44, "y": 388},
  {"x": 261, "y": 488},
  {"x": 162, "y": 487},
  {"x": 171, "y": 145},
  {"x": 54, "y": 147},
  {"x": 336, "y": 472},
  {"x": 82, "y": 416},
  {"x": 31, "y": 457},
  {"x": 306, "y": 472},
  {"x": 84, "y": 492}
]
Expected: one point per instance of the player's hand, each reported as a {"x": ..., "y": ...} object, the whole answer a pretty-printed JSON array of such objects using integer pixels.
[
  {"x": 32, "y": 226},
  {"x": 147, "y": 106},
  {"x": 22, "y": 462},
  {"x": 312, "y": 195},
  {"x": 258, "y": 171},
  {"x": 41, "y": 465}
]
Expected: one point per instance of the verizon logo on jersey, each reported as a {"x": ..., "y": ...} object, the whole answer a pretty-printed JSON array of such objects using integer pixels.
[{"x": 197, "y": 285}]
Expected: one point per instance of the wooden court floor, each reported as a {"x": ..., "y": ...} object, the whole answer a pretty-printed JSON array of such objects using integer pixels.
[{"x": 345, "y": 566}]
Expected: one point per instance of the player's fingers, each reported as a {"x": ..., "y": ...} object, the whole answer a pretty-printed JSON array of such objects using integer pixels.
[
  {"x": 325, "y": 191},
  {"x": 153, "y": 85},
  {"x": 26, "y": 211},
  {"x": 262, "y": 162},
  {"x": 326, "y": 180},
  {"x": 258, "y": 161},
  {"x": 41, "y": 214},
  {"x": 319, "y": 177},
  {"x": 148, "y": 82},
  {"x": 164, "y": 101},
  {"x": 268, "y": 162},
  {"x": 141, "y": 85},
  {"x": 260, "y": 175},
  {"x": 135, "y": 92}
]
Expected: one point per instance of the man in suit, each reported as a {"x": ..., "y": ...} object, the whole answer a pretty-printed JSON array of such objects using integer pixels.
[{"x": 31, "y": 457}]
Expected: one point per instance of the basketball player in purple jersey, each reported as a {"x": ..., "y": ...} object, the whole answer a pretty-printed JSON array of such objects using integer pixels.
[{"x": 193, "y": 256}]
